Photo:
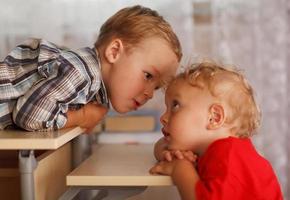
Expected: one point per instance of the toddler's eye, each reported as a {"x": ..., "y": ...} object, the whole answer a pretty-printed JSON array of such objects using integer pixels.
[
  {"x": 175, "y": 105},
  {"x": 148, "y": 76}
]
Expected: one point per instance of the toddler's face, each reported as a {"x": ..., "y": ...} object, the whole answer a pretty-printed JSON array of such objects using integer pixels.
[
  {"x": 135, "y": 75},
  {"x": 186, "y": 116}
]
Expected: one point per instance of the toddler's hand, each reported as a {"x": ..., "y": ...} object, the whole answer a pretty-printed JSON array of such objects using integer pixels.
[
  {"x": 169, "y": 155},
  {"x": 163, "y": 167},
  {"x": 167, "y": 168}
]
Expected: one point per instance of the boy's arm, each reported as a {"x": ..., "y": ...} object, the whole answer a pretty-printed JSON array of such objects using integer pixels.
[
  {"x": 87, "y": 117},
  {"x": 43, "y": 106}
]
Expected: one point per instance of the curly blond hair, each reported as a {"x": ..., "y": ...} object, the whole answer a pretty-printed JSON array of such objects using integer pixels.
[{"x": 231, "y": 86}]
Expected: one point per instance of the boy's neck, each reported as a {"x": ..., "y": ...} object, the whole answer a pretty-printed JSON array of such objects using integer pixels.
[{"x": 105, "y": 66}]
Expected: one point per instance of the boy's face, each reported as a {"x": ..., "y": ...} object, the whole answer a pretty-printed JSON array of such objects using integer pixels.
[
  {"x": 186, "y": 117},
  {"x": 136, "y": 74}
]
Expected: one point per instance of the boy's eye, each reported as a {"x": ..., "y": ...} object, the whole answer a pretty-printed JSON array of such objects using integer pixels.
[
  {"x": 148, "y": 76},
  {"x": 157, "y": 88}
]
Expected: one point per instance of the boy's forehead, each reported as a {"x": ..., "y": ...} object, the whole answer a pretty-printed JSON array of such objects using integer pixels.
[
  {"x": 165, "y": 81},
  {"x": 173, "y": 88},
  {"x": 166, "y": 75}
]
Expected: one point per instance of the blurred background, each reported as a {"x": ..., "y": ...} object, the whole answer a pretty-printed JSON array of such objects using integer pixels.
[{"x": 252, "y": 34}]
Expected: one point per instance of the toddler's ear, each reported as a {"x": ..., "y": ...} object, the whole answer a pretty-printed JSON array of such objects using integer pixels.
[
  {"x": 114, "y": 50},
  {"x": 216, "y": 117}
]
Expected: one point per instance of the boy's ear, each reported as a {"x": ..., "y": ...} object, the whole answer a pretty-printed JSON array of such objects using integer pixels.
[
  {"x": 216, "y": 117},
  {"x": 114, "y": 50}
]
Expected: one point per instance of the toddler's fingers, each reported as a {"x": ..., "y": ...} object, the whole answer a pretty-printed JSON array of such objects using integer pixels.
[
  {"x": 178, "y": 154},
  {"x": 189, "y": 155},
  {"x": 168, "y": 156},
  {"x": 155, "y": 169}
]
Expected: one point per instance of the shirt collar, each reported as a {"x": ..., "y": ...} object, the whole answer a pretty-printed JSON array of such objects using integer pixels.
[{"x": 102, "y": 96}]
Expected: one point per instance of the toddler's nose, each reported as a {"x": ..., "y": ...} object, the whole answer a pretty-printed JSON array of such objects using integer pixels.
[{"x": 163, "y": 119}]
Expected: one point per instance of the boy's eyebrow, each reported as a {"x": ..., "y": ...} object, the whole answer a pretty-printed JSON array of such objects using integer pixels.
[
  {"x": 166, "y": 80},
  {"x": 156, "y": 70}
]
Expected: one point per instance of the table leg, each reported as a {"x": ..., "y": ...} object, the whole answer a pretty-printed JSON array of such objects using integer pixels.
[
  {"x": 27, "y": 165},
  {"x": 81, "y": 149}
]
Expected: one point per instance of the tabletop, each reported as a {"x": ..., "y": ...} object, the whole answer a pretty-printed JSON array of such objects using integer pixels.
[
  {"x": 21, "y": 140},
  {"x": 118, "y": 165}
]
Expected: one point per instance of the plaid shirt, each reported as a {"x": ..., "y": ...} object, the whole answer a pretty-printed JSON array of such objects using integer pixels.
[{"x": 40, "y": 81}]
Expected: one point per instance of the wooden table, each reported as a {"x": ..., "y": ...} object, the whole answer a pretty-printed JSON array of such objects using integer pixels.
[
  {"x": 27, "y": 142},
  {"x": 118, "y": 166},
  {"x": 21, "y": 140}
]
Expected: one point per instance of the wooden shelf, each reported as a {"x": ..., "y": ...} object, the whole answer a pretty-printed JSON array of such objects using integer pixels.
[
  {"x": 20, "y": 140},
  {"x": 118, "y": 165}
]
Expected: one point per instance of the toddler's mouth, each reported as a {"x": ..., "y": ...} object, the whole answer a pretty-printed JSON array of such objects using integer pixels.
[{"x": 166, "y": 134}]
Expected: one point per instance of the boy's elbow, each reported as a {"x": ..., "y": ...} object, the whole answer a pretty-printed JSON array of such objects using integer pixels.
[
  {"x": 26, "y": 123},
  {"x": 28, "y": 126}
]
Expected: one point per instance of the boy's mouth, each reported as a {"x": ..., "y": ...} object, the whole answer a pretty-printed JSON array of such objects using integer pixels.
[{"x": 136, "y": 104}]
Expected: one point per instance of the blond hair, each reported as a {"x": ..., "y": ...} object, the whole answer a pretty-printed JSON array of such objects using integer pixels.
[
  {"x": 229, "y": 85},
  {"x": 133, "y": 24}
]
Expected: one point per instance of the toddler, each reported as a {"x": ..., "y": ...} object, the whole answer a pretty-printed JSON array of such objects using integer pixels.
[{"x": 211, "y": 112}]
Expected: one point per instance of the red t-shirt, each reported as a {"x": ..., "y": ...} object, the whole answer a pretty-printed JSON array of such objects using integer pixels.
[{"x": 231, "y": 169}]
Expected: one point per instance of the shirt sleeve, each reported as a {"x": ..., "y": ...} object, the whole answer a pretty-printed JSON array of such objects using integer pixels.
[
  {"x": 44, "y": 106},
  {"x": 220, "y": 174},
  {"x": 218, "y": 188}
]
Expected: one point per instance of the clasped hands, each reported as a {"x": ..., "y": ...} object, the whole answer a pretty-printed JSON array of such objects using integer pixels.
[{"x": 171, "y": 159}]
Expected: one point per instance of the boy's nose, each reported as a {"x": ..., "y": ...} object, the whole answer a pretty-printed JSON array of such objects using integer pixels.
[{"x": 149, "y": 93}]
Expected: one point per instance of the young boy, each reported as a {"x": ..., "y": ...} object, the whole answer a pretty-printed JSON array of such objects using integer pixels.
[
  {"x": 211, "y": 111},
  {"x": 46, "y": 87}
]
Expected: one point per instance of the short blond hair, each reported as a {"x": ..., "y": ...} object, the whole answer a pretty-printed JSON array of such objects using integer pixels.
[
  {"x": 133, "y": 24},
  {"x": 229, "y": 85}
]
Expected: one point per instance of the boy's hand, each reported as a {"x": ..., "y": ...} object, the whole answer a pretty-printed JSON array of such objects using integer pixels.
[
  {"x": 87, "y": 117},
  {"x": 92, "y": 113},
  {"x": 169, "y": 155}
]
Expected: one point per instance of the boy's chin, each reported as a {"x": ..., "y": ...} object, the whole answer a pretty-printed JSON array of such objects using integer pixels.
[{"x": 121, "y": 110}]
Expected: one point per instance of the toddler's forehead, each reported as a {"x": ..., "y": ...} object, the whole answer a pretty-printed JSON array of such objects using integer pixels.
[
  {"x": 174, "y": 85},
  {"x": 180, "y": 84}
]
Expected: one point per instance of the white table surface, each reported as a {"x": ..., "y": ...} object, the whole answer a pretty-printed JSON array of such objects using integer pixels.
[
  {"x": 118, "y": 165},
  {"x": 21, "y": 140}
]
